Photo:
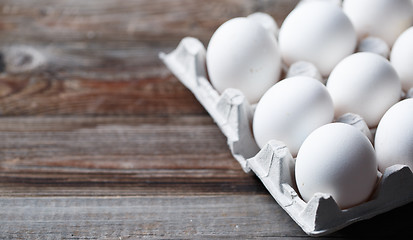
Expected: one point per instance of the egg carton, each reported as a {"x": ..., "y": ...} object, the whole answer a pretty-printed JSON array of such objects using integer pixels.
[{"x": 274, "y": 164}]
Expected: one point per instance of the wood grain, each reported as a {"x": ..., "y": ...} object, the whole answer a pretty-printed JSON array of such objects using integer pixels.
[
  {"x": 104, "y": 156},
  {"x": 173, "y": 217},
  {"x": 144, "y": 217},
  {"x": 156, "y": 177},
  {"x": 99, "y": 141},
  {"x": 49, "y": 95},
  {"x": 101, "y": 56}
]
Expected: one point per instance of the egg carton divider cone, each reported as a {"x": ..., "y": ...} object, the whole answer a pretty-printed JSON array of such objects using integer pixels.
[{"x": 273, "y": 164}]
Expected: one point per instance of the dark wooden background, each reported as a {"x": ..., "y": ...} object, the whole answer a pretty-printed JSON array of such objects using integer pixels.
[{"x": 99, "y": 141}]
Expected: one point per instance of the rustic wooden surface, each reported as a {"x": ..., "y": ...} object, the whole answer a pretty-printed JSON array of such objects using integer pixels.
[{"x": 100, "y": 141}]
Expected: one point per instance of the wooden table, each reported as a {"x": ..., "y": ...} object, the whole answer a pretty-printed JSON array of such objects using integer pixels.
[{"x": 100, "y": 141}]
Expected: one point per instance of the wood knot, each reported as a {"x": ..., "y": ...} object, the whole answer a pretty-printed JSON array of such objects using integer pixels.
[{"x": 18, "y": 59}]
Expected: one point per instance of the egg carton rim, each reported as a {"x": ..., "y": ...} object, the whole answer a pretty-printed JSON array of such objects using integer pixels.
[{"x": 273, "y": 164}]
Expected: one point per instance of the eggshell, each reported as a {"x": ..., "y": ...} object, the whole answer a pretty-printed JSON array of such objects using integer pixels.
[
  {"x": 337, "y": 159},
  {"x": 394, "y": 136},
  {"x": 402, "y": 58},
  {"x": 365, "y": 84},
  {"x": 266, "y": 21},
  {"x": 291, "y": 110},
  {"x": 318, "y": 32},
  {"x": 385, "y": 19},
  {"x": 242, "y": 54}
]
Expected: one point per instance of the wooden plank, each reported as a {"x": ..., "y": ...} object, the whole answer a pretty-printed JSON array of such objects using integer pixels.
[
  {"x": 106, "y": 156},
  {"x": 49, "y": 95},
  {"x": 95, "y": 38},
  {"x": 101, "y": 57},
  {"x": 172, "y": 217},
  {"x": 129, "y": 20},
  {"x": 109, "y": 177},
  {"x": 138, "y": 217}
]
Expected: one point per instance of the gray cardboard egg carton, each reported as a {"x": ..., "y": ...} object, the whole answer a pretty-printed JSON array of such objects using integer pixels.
[{"x": 274, "y": 164}]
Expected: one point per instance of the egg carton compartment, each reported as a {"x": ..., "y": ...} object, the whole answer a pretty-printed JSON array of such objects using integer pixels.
[{"x": 273, "y": 164}]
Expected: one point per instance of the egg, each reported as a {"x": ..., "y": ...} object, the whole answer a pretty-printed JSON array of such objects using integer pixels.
[
  {"x": 290, "y": 110},
  {"x": 317, "y": 32},
  {"x": 394, "y": 136},
  {"x": 402, "y": 58},
  {"x": 266, "y": 21},
  {"x": 385, "y": 19},
  {"x": 339, "y": 160},
  {"x": 242, "y": 54},
  {"x": 365, "y": 84}
]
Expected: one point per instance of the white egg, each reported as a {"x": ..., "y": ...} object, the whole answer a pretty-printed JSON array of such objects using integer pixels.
[
  {"x": 402, "y": 58},
  {"x": 385, "y": 19},
  {"x": 365, "y": 84},
  {"x": 242, "y": 54},
  {"x": 394, "y": 136},
  {"x": 337, "y": 159},
  {"x": 266, "y": 21},
  {"x": 290, "y": 110},
  {"x": 317, "y": 32}
]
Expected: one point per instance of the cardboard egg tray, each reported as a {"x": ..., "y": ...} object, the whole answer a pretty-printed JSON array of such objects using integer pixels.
[{"x": 273, "y": 164}]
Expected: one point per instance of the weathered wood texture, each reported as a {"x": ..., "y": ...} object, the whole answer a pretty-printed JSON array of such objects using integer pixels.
[
  {"x": 169, "y": 217},
  {"x": 101, "y": 56},
  {"x": 100, "y": 141},
  {"x": 109, "y": 177},
  {"x": 116, "y": 156}
]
